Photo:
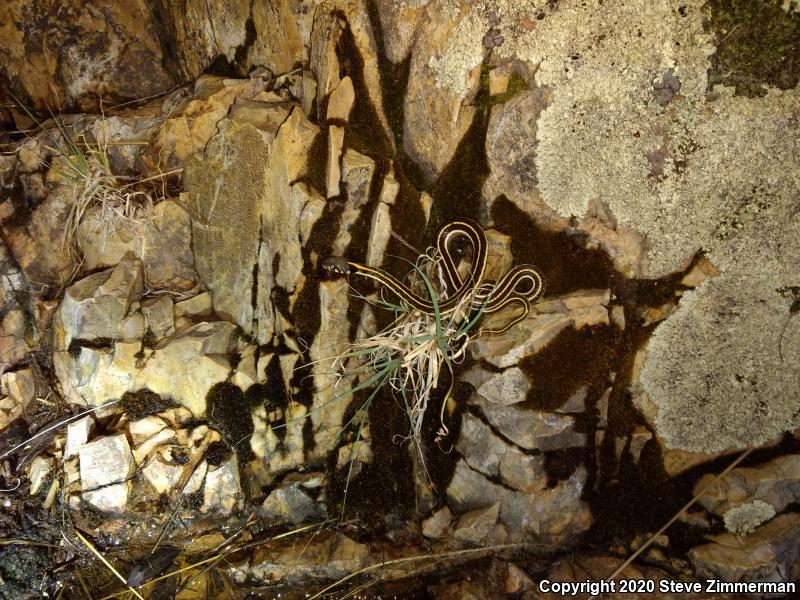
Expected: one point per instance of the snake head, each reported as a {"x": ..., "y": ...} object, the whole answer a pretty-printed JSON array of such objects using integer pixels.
[{"x": 336, "y": 264}]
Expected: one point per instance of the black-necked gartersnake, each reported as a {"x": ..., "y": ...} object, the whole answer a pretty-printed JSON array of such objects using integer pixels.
[{"x": 521, "y": 285}]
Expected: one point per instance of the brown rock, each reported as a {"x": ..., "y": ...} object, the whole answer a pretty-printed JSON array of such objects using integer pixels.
[
  {"x": 531, "y": 429},
  {"x": 439, "y": 89},
  {"x": 72, "y": 52},
  {"x": 776, "y": 482},
  {"x": 435, "y": 526},
  {"x": 768, "y": 554},
  {"x": 399, "y": 22},
  {"x": 527, "y": 337},
  {"x": 511, "y": 141},
  {"x": 39, "y": 246},
  {"x": 327, "y": 556},
  {"x": 333, "y": 172},
  {"x": 275, "y": 34},
  {"x": 192, "y": 121},
  {"x": 379, "y": 233},
  {"x": 341, "y": 101},
  {"x": 474, "y": 526},
  {"x": 168, "y": 258}
]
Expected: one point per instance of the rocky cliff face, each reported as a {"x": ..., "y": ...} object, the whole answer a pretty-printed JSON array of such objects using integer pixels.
[{"x": 174, "y": 175}]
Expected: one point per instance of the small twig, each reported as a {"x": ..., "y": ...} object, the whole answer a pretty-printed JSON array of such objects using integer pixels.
[
  {"x": 56, "y": 426},
  {"x": 110, "y": 567},
  {"x": 396, "y": 561},
  {"x": 400, "y": 239}
]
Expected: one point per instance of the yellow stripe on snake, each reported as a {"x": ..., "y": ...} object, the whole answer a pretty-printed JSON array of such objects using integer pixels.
[{"x": 521, "y": 285}]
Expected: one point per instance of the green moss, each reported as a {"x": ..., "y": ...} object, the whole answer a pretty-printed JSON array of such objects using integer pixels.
[
  {"x": 516, "y": 84},
  {"x": 757, "y": 46}
]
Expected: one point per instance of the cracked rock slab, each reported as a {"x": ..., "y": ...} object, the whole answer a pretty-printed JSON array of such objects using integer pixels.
[{"x": 105, "y": 466}]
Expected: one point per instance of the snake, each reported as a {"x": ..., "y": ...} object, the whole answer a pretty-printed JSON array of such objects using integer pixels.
[{"x": 521, "y": 285}]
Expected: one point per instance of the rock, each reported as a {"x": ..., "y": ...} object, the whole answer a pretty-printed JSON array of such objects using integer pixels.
[
  {"x": 196, "y": 479},
  {"x": 290, "y": 504},
  {"x": 192, "y": 120},
  {"x": 275, "y": 37},
  {"x": 330, "y": 19},
  {"x": 553, "y": 514},
  {"x": 185, "y": 366},
  {"x": 474, "y": 526},
  {"x": 333, "y": 173},
  {"x": 776, "y": 482},
  {"x": 70, "y": 55},
  {"x": 309, "y": 87},
  {"x": 531, "y": 429},
  {"x": 511, "y": 150},
  {"x": 559, "y": 511},
  {"x": 521, "y": 471},
  {"x": 268, "y": 117},
  {"x": 516, "y": 580},
  {"x": 39, "y": 470},
  {"x": 481, "y": 449},
  {"x": 13, "y": 347},
  {"x": 576, "y": 402},
  {"x": 768, "y": 554},
  {"x": 167, "y": 257},
  {"x": 96, "y": 306},
  {"x": 426, "y": 204},
  {"x": 527, "y": 337},
  {"x": 196, "y": 307},
  {"x": 285, "y": 454},
  {"x": 744, "y": 518},
  {"x": 246, "y": 370},
  {"x": 327, "y": 556},
  {"x": 223, "y": 492},
  {"x": 341, "y": 101},
  {"x": 389, "y": 189},
  {"x": 507, "y": 387},
  {"x": 162, "y": 476},
  {"x": 281, "y": 218},
  {"x": 313, "y": 208},
  {"x": 639, "y": 437},
  {"x": 326, "y": 34},
  {"x": 143, "y": 450},
  {"x": 444, "y": 75},
  {"x": 357, "y": 172},
  {"x": 93, "y": 376},
  {"x": 104, "y": 242},
  {"x": 379, "y": 233},
  {"x": 106, "y": 465},
  {"x": 40, "y": 245},
  {"x": 617, "y": 316},
  {"x": 461, "y": 590},
  {"x": 226, "y": 195},
  {"x": 145, "y": 428},
  {"x": 435, "y": 527},
  {"x": 158, "y": 316},
  {"x": 352, "y": 456},
  {"x": 78, "y": 433},
  {"x": 499, "y": 258},
  {"x": 498, "y": 81},
  {"x": 20, "y": 385},
  {"x": 588, "y": 307},
  {"x": 399, "y": 22},
  {"x": 331, "y": 395}
]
